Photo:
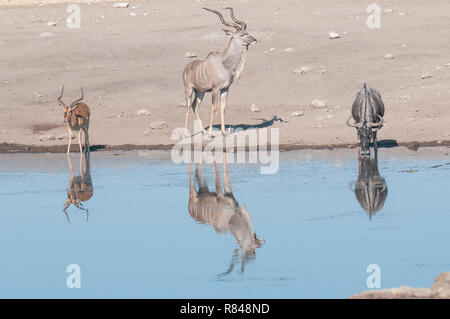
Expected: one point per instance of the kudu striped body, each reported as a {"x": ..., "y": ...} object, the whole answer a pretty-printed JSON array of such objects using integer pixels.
[
  {"x": 221, "y": 210},
  {"x": 77, "y": 116},
  {"x": 367, "y": 113},
  {"x": 217, "y": 71}
]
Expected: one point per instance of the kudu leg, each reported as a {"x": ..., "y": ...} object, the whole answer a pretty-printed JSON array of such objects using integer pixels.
[
  {"x": 215, "y": 100},
  {"x": 217, "y": 180},
  {"x": 189, "y": 101},
  {"x": 198, "y": 100},
  {"x": 223, "y": 105}
]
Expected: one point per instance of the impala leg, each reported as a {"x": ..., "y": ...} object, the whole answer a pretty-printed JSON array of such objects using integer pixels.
[
  {"x": 70, "y": 139},
  {"x": 198, "y": 100},
  {"x": 86, "y": 141},
  {"x": 79, "y": 142},
  {"x": 215, "y": 100},
  {"x": 223, "y": 105}
]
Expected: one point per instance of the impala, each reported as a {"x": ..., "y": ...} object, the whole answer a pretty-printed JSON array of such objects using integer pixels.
[{"x": 76, "y": 115}]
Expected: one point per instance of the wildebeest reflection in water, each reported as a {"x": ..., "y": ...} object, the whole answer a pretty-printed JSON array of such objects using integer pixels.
[
  {"x": 80, "y": 187},
  {"x": 370, "y": 189},
  {"x": 222, "y": 211}
]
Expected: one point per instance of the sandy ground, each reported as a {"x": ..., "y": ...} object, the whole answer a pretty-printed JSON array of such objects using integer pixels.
[{"x": 126, "y": 63}]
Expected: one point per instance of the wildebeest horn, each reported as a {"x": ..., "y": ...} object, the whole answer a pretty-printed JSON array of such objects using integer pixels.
[
  {"x": 241, "y": 23},
  {"x": 60, "y": 96},
  {"x": 357, "y": 125},
  {"x": 376, "y": 125},
  {"x": 79, "y": 100},
  {"x": 233, "y": 25}
]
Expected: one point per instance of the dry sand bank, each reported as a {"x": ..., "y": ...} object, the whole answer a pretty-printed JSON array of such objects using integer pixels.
[{"x": 126, "y": 63}]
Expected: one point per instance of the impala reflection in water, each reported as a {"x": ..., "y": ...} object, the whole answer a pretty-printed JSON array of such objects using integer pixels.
[
  {"x": 370, "y": 189},
  {"x": 80, "y": 187},
  {"x": 222, "y": 211}
]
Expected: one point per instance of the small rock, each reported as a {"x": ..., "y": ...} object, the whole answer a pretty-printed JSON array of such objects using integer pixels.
[
  {"x": 271, "y": 50},
  {"x": 330, "y": 116},
  {"x": 404, "y": 45},
  {"x": 302, "y": 70},
  {"x": 51, "y": 24},
  {"x": 121, "y": 5},
  {"x": 426, "y": 76},
  {"x": 182, "y": 104},
  {"x": 447, "y": 65},
  {"x": 157, "y": 125},
  {"x": 333, "y": 35},
  {"x": 255, "y": 108},
  {"x": 402, "y": 14},
  {"x": 47, "y": 35},
  {"x": 289, "y": 50},
  {"x": 298, "y": 113},
  {"x": 190, "y": 55},
  {"x": 132, "y": 14},
  {"x": 388, "y": 56},
  {"x": 143, "y": 112},
  {"x": 47, "y": 137},
  {"x": 318, "y": 103},
  {"x": 388, "y": 10}
]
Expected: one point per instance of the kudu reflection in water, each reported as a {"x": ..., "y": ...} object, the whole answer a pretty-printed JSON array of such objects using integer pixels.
[
  {"x": 370, "y": 189},
  {"x": 80, "y": 187},
  {"x": 222, "y": 211}
]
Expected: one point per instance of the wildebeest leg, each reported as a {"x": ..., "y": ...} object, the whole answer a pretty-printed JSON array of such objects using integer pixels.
[
  {"x": 215, "y": 100},
  {"x": 359, "y": 143},
  {"x": 223, "y": 105},
  {"x": 198, "y": 100}
]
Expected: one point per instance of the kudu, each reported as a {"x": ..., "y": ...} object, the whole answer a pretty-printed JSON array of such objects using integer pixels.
[
  {"x": 76, "y": 115},
  {"x": 80, "y": 187},
  {"x": 221, "y": 210},
  {"x": 370, "y": 188},
  {"x": 367, "y": 113},
  {"x": 217, "y": 71}
]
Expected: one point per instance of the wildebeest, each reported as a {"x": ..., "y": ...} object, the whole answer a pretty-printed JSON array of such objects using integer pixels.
[
  {"x": 367, "y": 113},
  {"x": 370, "y": 188},
  {"x": 222, "y": 211}
]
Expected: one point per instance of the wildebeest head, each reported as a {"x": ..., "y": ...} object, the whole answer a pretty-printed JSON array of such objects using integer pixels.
[{"x": 365, "y": 133}]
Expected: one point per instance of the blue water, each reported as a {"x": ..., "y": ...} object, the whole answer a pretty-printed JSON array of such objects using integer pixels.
[{"x": 141, "y": 242}]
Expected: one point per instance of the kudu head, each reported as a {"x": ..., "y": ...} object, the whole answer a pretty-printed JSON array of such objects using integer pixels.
[
  {"x": 365, "y": 133},
  {"x": 239, "y": 35},
  {"x": 69, "y": 109}
]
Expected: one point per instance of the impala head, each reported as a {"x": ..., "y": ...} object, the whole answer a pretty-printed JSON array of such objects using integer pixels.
[
  {"x": 69, "y": 109},
  {"x": 365, "y": 133},
  {"x": 239, "y": 34}
]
